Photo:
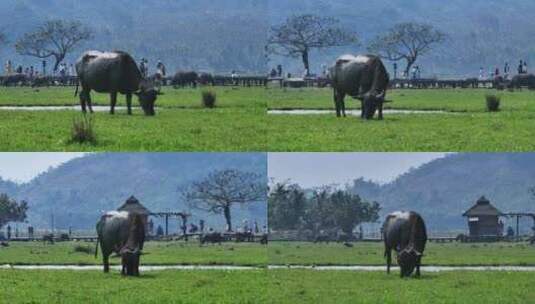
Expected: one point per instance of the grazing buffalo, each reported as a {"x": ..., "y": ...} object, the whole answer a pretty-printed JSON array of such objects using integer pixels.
[
  {"x": 523, "y": 80},
  {"x": 362, "y": 77},
  {"x": 185, "y": 78},
  {"x": 206, "y": 79},
  {"x": 264, "y": 239},
  {"x": 404, "y": 232},
  {"x": 42, "y": 81},
  {"x": 113, "y": 72},
  {"x": 14, "y": 80},
  {"x": 123, "y": 233},
  {"x": 244, "y": 237},
  {"x": 212, "y": 237}
]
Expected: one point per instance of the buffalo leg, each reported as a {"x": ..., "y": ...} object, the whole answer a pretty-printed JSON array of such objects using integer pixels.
[
  {"x": 136, "y": 266},
  {"x": 336, "y": 103},
  {"x": 88, "y": 100},
  {"x": 82, "y": 100},
  {"x": 105, "y": 261},
  {"x": 113, "y": 100},
  {"x": 362, "y": 109},
  {"x": 343, "y": 104},
  {"x": 388, "y": 254},
  {"x": 129, "y": 103},
  {"x": 418, "y": 262},
  {"x": 380, "y": 108}
]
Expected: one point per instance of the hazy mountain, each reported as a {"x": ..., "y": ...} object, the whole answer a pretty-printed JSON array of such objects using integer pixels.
[
  {"x": 208, "y": 35},
  {"x": 215, "y": 35},
  {"x": 482, "y": 33},
  {"x": 443, "y": 189},
  {"x": 77, "y": 191}
]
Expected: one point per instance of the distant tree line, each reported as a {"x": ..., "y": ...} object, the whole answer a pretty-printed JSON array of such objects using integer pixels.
[
  {"x": 291, "y": 207},
  {"x": 11, "y": 210}
]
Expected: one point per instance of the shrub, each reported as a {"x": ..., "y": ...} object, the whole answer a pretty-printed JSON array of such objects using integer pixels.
[
  {"x": 208, "y": 99},
  {"x": 82, "y": 130},
  {"x": 84, "y": 249},
  {"x": 493, "y": 103}
]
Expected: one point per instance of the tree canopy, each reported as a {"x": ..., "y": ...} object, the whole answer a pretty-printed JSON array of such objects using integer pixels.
[
  {"x": 301, "y": 33},
  {"x": 326, "y": 208},
  {"x": 54, "y": 38},
  {"x": 223, "y": 189},
  {"x": 406, "y": 41},
  {"x": 11, "y": 210}
]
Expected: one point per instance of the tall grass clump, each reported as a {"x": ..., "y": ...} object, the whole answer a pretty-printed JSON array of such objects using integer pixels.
[
  {"x": 209, "y": 99},
  {"x": 82, "y": 130},
  {"x": 493, "y": 103}
]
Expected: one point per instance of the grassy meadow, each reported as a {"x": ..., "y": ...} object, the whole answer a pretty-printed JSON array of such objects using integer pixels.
[
  {"x": 444, "y": 254},
  {"x": 466, "y": 127},
  {"x": 58, "y": 286},
  {"x": 312, "y": 286},
  {"x": 155, "y": 253},
  {"x": 238, "y": 123}
]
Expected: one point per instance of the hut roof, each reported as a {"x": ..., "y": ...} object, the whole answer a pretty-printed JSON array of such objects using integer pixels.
[
  {"x": 482, "y": 207},
  {"x": 133, "y": 205}
]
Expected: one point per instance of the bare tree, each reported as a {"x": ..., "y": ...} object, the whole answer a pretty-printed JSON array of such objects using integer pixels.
[
  {"x": 300, "y": 34},
  {"x": 406, "y": 41},
  {"x": 223, "y": 189},
  {"x": 54, "y": 38}
]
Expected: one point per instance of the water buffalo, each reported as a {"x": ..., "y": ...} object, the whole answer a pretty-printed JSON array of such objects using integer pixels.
[
  {"x": 14, "y": 80},
  {"x": 206, "y": 79},
  {"x": 404, "y": 232},
  {"x": 113, "y": 72},
  {"x": 123, "y": 233},
  {"x": 212, "y": 237},
  {"x": 523, "y": 80},
  {"x": 362, "y": 77},
  {"x": 42, "y": 81},
  {"x": 185, "y": 78}
]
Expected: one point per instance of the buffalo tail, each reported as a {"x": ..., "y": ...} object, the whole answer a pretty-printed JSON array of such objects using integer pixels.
[
  {"x": 76, "y": 91},
  {"x": 96, "y": 248}
]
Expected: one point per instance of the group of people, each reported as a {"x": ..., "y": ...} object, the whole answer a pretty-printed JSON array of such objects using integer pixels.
[
  {"x": 144, "y": 68},
  {"x": 505, "y": 73},
  {"x": 11, "y": 69},
  {"x": 63, "y": 70},
  {"x": 9, "y": 233}
]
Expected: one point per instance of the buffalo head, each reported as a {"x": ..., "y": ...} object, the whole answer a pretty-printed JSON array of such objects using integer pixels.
[
  {"x": 370, "y": 103},
  {"x": 147, "y": 96},
  {"x": 407, "y": 260},
  {"x": 130, "y": 261}
]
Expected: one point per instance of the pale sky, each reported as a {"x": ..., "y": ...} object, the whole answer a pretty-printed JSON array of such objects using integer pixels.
[
  {"x": 316, "y": 169},
  {"x": 23, "y": 166}
]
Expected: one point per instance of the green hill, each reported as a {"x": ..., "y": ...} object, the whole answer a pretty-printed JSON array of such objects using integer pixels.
[
  {"x": 443, "y": 189},
  {"x": 78, "y": 191}
]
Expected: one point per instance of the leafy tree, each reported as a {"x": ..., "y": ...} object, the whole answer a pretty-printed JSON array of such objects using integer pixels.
[
  {"x": 300, "y": 34},
  {"x": 286, "y": 206},
  {"x": 325, "y": 208},
  {"x": 54, "y": 38},
  {"x": 406, "y": 41},
  {"x": 11, "y": 210},
  {"x": 223, "y": 189},
  {"x": 350, "y": 210}
]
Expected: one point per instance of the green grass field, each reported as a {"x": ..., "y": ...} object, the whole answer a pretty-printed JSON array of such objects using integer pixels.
[
  {"x": 19, "y": 286},
  {"x": 446, "y": 254},
  {"x": 238, "y": 123},
  {"x": 156, "y": 253},
  {"x": 468, "y": 129},
  {"x": 309, "y": 286}
]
